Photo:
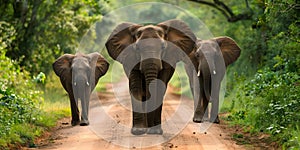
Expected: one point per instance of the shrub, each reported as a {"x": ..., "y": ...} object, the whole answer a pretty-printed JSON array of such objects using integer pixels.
[
  {"x": 19, "y": 103},
  {"x": 270, "y": 102}
]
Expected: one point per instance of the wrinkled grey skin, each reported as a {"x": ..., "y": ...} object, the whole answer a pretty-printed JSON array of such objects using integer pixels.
[
  {"x": 210, "y": 59},
  {"x": 148, "y": 56},
  {"x": 79, "y": 74}
]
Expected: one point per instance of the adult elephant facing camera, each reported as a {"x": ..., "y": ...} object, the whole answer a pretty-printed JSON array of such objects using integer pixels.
[
  {"x": 148, "y": 55},
  {"x": 79, "y": 74}
]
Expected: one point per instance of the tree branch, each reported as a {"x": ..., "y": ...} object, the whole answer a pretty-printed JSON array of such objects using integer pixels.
[
  {"x": 226, "y": 11},
  {"x": 212, "y": 5},
  {"x": 247, "y": 4}
]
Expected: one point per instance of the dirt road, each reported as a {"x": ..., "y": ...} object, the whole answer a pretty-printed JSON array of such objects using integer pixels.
[{"x": 110, "y": 118}]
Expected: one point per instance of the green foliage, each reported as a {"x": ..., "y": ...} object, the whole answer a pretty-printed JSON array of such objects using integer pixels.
[
  {"x": 32, "y": 35},
  {"x": 180, "y": 81},
  {"x": 56, "y": 98},
  {"x": 270, "y": 102},
  {"x": 40, "y": 78},
  {"x": 21, "y": 117},
  {"x": 44, "y": 30},
  {"x": 17, "y": 106}
]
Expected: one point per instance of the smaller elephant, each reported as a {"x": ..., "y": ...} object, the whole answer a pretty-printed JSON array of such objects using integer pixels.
[
  {"x": 210, "y": 59},
  {"x": 79, "y": 74}
]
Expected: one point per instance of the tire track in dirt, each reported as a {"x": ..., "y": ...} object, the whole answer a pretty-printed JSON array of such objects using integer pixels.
[{"x": 110, "y": 127}]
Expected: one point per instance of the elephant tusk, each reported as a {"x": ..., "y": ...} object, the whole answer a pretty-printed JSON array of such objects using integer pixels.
[
  {"x": 75, "y": 83},
  {"x": 214, "y": 72},
  {"x": 198, "y": 74},
  {"x": 87, "y": 83}
]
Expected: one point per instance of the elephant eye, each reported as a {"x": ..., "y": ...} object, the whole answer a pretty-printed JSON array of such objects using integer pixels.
[
  {"x": 197, "y": 55},
  {"x": 138, "y": 34},
  {"x": 160, "y": 33}
]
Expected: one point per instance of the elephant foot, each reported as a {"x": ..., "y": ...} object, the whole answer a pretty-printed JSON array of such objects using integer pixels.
[
  {"x": 84, "y": 123},
  {"x": 217, "y": 121},
  {"x": 75, "y": 122},
  {"x": 155, "y": 130},
  {"x": 197, "y": 120},
  {"x": 138, "y": 131}
]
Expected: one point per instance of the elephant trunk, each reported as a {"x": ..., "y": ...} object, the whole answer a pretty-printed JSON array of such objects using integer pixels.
[
  {"x": 150, "y": 77},
  {"x": 151, "y": 74},
  {"x": 212, "y": 67},
  {"x": 207, "y": 69},
  {"x": 207, "y": 64},
  {"x": 82, "y": 91}
]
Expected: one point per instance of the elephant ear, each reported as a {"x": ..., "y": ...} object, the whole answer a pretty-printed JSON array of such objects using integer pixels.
[
  {"x": 62, "y": 65},
  {"x": 98, "y": 62},
  {"x": 229, "y": 48},
  {"x": 180, "y": 34},
  {"x": 120, "y": 38}
]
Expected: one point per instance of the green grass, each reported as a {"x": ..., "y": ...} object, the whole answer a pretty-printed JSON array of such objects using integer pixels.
[
  {"x": 114, "y": 74},
  {"x": 56, "y": 99},
  {"x": 180, "y": 81}
]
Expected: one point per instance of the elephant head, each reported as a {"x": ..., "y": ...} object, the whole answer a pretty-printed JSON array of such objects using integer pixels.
[
  {"x": 147, "y": 53},
  {"x": 211, "y": 59},
  {"x": 221, "y": 51},
  {"x": 79, "y": 74},
  {"x": 146, "y": 47}
]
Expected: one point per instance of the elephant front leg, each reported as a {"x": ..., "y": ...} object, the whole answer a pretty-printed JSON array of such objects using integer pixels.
[
  {"x": 214, "y": 117},
  {"x": 201, "y": 111},
  {"x": 74, "y": 111},
  {"x": 154, "y": 108},
  {"x": 154, "y": 121},
  {"x": 200, "y": 103},
  {"x": 198, "y": 114},
  {"x": 139, "y": 122},
  {"x": 85, "y": 111},
  {"x": 154, "y": 117}
]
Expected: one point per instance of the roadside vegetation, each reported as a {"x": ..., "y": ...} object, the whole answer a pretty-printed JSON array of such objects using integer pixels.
[{"x": 263, "y": 86}]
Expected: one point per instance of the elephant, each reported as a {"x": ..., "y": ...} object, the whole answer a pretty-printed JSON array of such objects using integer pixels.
[
  {"x": 148, "y": 54},
  {"x": 210, "y": 59},
  {"x": 79, "y": 74}
]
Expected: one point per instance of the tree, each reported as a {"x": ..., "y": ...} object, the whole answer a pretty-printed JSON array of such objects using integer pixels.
[
  {"x": 226, "y": 11},
  {"x": 46, "y": 29}
]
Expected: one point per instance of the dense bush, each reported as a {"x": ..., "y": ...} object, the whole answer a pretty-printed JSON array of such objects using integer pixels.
[
  {"x": 270, "y": 102},
  {"x": 20, "y": 98},
  {"x": 19, "y": 103}
]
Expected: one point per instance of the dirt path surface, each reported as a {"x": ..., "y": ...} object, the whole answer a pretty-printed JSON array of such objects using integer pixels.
[{"x": 110, "y": 118}]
